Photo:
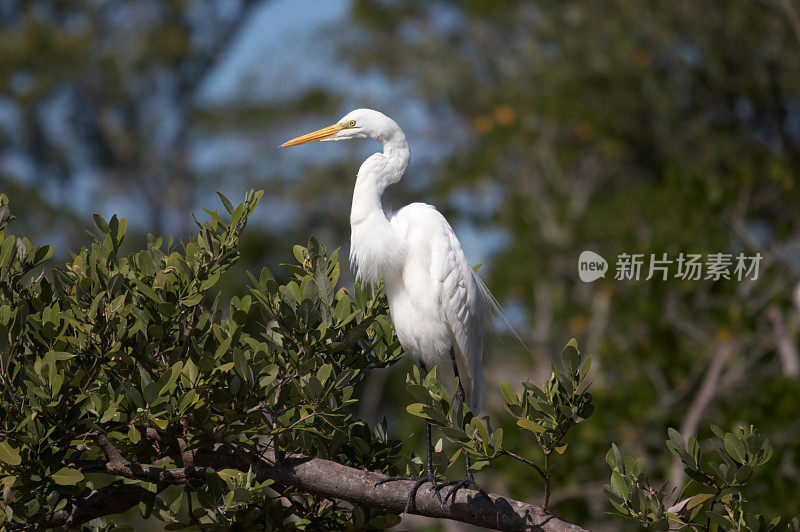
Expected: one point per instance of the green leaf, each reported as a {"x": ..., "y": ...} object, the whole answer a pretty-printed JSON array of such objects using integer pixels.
[
  {"x": 477, "y": 466},
  {"x": 108, "y": 415},
  {"x": 309, "y": 289},
  {"x": 570, "y": 356},
  {"x": 133, "y": 435},
  {"x": 497, "y": 438},
  {"x": 67, "y": 476},
  {"x": 190, "y": 372},
  {"x": 323, "y": 373},
  {"x": 224, "y": 368},
  {"x": 192, "y": 300},
  {"x": 416, "y": 409},
  {"x": 618, "y": 484},
  {"x": 482, "y": 430},
  {"x": 698, "y": 499},
  {"x": 299, "y": 253},
  {"x": 149, "y": 492},
  {"x": 743, "y": 473},
  {"x": 735, "y": 448},
  {"x": 101, "y": 223},
  {"x": 187, "y": 400},
  {"x": 676, "y": 439},
  {"x": 8, "y": 454},
  {"x": 527, "y": 424},
  {"x": 638, "y": 467},
  {"x": 617, "y": 455},
  {"x": 7, "y": 250},
  {"x": 240, "y": 363},
  {"x": 611, "y": 459},
  {"x": 427, "y": 412},
  {"x": 42, "y": 254},
  {"x": 383, "y": 522},
  {"x": 586, "y": 366},
  {"x": 509, "y": 394},
  {"x": 268, "y": 375},
  {"x": 226, "y": 202},
  {"x": 323, "y": 282}
]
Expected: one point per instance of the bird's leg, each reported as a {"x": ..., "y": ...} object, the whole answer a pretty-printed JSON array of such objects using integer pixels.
[
  {"x": 429, "y": 474},
  {"x": 468, "y": 480}
]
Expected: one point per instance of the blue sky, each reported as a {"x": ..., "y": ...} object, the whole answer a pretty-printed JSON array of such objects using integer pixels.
[
  {"x": 286, "y": 40},
  {"x": 285, "y": 48},
  {"x": 295, "y": 42}
]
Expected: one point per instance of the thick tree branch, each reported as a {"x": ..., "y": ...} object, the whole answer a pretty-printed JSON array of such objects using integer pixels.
[
  {"x": 110, "y": 451},
  {"x": 316, "y": 476}
]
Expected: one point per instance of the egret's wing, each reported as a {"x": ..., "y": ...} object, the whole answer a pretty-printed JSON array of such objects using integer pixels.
[{"x": 461, "y": 299}]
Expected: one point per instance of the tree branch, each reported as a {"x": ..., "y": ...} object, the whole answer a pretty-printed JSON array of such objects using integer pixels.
[
  {"x": 788, "y": 11},
  {"x": 109, "y": 500},
  {"x": 316, "y": 476},
  {"x": 110, "y": 451},
  {"x": 705, "y": 394},
  {"x": 787, "y": 351}
]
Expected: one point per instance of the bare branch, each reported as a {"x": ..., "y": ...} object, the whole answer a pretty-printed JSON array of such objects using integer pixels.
[
  {"x": 788, "y": 10},
  {"x": 318, "y": 477},
  {"x": 708, "y": 389},
  {"x": 110, "y": 451},
  {"x": 787, "y": 351}
]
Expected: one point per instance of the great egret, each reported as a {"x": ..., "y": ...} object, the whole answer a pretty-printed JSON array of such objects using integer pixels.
[{"x": 435, "y": 298}]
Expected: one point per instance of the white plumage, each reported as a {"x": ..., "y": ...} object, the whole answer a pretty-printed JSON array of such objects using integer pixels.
[
  {"x": 435, "y": 302},
  {"x": 435, "y": 298}
]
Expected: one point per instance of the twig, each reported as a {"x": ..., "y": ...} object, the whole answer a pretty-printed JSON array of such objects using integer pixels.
[{"x": 523, "y": 460}]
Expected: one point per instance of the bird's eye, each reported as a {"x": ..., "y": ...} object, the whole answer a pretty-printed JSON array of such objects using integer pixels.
[{"x": 352, "y": 123}]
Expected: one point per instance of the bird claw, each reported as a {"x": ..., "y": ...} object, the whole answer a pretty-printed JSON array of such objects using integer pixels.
[
  {"x": 466, "y": 482},
  {"x": 419, "y": 481}
]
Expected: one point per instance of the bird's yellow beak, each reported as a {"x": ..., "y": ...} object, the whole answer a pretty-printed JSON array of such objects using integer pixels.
[{"x": 320, "y": 134}]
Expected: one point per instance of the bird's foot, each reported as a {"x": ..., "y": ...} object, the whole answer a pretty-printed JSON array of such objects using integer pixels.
[
  {"x": 467, "y": 482},
  {"x": 418, "y": 482}
]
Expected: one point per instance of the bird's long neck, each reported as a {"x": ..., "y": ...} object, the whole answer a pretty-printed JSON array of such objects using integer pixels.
[
  {"x": 375, "y": 249},
  {"x": 376, "y": 173}
]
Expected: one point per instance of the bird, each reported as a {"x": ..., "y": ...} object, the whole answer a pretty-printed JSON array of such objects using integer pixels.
[{"x": 436, "y": 299}]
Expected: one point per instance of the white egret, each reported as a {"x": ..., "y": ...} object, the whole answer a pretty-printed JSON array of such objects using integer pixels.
[{"x": 436, "y": 300}]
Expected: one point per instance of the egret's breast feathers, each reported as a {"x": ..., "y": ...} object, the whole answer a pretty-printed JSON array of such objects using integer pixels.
[{"x": 375, "y": 251}]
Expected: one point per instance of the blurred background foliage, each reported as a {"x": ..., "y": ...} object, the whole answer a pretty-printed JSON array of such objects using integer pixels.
[{"x": 540, "y": 128}]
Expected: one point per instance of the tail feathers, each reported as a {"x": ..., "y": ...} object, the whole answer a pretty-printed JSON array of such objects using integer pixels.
[
  {"x": 496, "y": 309},
  {"x": 472, "y": 381},
  {"x": 478, "y": 390}
]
